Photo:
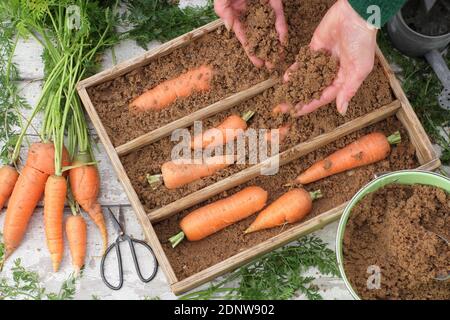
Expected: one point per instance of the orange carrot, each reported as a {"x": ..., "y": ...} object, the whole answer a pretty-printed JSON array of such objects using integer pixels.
[
  {"x": 280, "y": 133},
  {"x": 41, "y": 156},
  {"x": 366, "y": 150},
  {"x": 85, "y": 185},
  {"x": 176, "y": 175},
  {"x": 77, "y": 235},
  {"x": 8, "y": 179},
  {"x": 54, "y": 198},
  {"x": 214, "y": 217},
  {"x": 225, "y": 132},
  {"x": 291, "y": 207},
  {"x": 26, "y": 195},
  {"x": 166, "y": 93},
  {"x": 281, "y": 108}
]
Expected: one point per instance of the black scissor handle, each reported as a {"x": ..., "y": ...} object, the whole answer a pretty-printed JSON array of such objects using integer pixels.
[
  {"x": 116, "y": 244},
  {"x": 131, "y": 242}
]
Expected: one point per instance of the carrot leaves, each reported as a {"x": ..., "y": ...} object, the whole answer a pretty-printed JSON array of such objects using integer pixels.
[{"x": 279, "y": 275}]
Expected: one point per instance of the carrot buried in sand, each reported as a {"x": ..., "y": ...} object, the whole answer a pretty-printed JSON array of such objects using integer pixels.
[
  {"x": 366, "y": 150},
  {"x": 214, "y": 217},
  {"x": 176, "y": 175},
  {"x": 225, "y": 132},
  {"x": 164, "y": 94},
  {"x": 8, "y": 179},
  {"x": 291, "y": 207},
  {"x": 280, "y": 133}
]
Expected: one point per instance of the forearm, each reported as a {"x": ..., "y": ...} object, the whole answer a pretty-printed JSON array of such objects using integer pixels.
[{"x": 388, "y": 8}]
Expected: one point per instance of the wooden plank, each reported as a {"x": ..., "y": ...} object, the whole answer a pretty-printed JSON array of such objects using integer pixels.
[
  {"x": 419, "y": 138},
  {"x": 271, "y": 244},
  {"x": 285, "y": 157},
  {"x": 187, "y": 121},
  {"x": 160, "y": 51},
  {"x": 150, "y": 234}
]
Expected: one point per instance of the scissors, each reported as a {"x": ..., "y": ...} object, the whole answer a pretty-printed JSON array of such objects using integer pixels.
[{"x": 122, "y": 237}]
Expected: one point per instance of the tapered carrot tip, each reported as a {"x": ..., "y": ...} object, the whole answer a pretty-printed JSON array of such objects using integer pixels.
[{"x": 56, "y": 265}]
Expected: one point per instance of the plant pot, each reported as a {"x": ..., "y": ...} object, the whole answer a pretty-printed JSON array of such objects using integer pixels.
[
  {"x": 408, "y": 177},
  {"x": 411, "y": 42}
]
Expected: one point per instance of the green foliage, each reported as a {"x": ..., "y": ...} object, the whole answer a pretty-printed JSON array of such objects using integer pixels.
[
  {"x": 163, "y": 19},
  {"x": 25, "y": 285},
  {"x": 422, "y": 87},
  {"x": 10, "y": 101},
  {"x": 278, "y": 275}
]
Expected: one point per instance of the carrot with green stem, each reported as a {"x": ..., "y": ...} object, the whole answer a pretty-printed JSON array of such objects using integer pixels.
[
  {"x": 291, "y": 207},
  {"x": 216, "y": 216},
  {"x": 225, "y": 132},
  {"x": 164, "y": 94},
  {"x": 366, "y": 150},
  {"x": 177, "y": 174},
  {"x": 84, "y": 178}
]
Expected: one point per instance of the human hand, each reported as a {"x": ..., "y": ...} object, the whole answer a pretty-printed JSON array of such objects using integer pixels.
[
  {"x": 230, "y": 12},
  {"x": 344, "y": 34}
]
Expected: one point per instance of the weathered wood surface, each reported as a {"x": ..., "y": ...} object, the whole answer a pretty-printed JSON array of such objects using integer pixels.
[{"x": 34, "y": 253}]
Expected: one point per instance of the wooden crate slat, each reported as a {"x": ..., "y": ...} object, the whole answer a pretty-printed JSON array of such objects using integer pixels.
[
  {"x": 187, "y": 121},
  {"x": 149, "y": 232},
  {"x": 416, "y": 132},
  {"x": 284, "y": 158}
]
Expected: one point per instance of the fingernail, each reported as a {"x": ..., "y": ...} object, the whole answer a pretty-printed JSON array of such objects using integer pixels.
[
  {"x": 344, "y": 108},
  {"x": 227, "y": 26}
]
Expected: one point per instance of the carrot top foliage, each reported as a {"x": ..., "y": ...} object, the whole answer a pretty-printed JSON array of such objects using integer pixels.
[
  {"x": 278, "y": 275},
  {"x": 163, "y": 20}
]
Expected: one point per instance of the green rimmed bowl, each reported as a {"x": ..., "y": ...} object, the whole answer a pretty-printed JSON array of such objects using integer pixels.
[{"x": 407, "y": 177}]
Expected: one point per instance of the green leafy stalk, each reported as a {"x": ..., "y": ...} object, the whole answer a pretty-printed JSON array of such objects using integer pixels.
[
  {"x": 11, "y": 104},
  {"x": 163, "y": 19},
  {"x": 278, "y": 275},
  {"x": 26, "y": 285}
]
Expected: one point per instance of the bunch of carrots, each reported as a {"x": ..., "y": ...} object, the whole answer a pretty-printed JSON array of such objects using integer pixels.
[{"x": 61, "y": 175}]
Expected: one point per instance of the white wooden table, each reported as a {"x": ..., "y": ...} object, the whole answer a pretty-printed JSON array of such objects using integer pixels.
[{"x": 33, "y": 250}]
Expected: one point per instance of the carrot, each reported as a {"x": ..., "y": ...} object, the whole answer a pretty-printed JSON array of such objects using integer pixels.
[
  {"x": 76, "y": 235},
  {"x": 280, "y": 133},
  {"x": 26, "y": 194},
  {"x": 54, "y": 198},
  {"x": 366, "y": 150},
  {"x": 291, "y": 207},
  {"x": 41, "y": 156},
  {"x": 214, "y": 217},
  {"x": 8, "y": 179},
  {"x": 85, "y": 185},
  {"x": 176, "y": 175},
  {"x": 225, "y": 132},
  {"x": 281, "y": 108},
  {"x": 166, "y": 93}
]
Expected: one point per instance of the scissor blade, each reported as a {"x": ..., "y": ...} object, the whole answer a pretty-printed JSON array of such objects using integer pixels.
[
  {"x": 122, "y": 220},
  {"x": 117, "y": 224}
]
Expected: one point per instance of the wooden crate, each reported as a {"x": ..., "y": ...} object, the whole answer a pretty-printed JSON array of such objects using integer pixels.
[{"x": 400, "y": 107}]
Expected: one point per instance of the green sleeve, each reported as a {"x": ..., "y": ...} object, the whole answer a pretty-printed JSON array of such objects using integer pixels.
[{"x": 388, "y": 8}]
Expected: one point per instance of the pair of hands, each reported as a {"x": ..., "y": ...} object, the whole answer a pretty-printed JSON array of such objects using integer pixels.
[{"x": 342, "y": 32}]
